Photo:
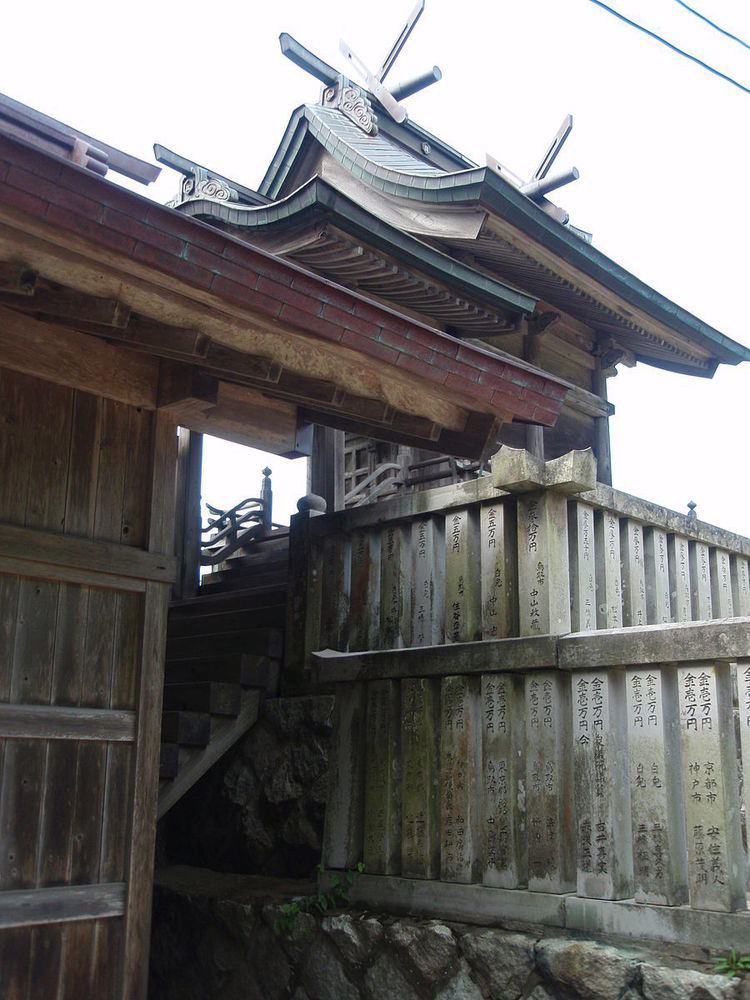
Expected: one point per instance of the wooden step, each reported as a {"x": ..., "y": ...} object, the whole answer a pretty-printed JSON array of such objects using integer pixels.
[
  {"x": 234, "y": 600},
  {"x": 190, "y": 729},
  {"x": 261, "y": 641},
  {"x": 223, "y": 622},
  {"x": 226, "y": 580},
  {"x": 169, "y": 760},
  {"x": 214, "y": 697},
  {"x": 245, "y": 669}
]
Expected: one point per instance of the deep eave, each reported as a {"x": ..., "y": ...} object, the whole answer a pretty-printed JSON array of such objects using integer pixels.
[
  {"x": 484, "y": 188},
  {"x": 352, "y": 218},
  {"x": 58, "y": 204}
]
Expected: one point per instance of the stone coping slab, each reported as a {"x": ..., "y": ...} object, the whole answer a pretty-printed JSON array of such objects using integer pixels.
[{"x": 478, "y": 904}]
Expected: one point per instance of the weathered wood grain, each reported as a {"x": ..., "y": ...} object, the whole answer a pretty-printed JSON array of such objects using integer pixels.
[
  {"x": 53, "y": 722},
  {"x": 59, "y": 904}
]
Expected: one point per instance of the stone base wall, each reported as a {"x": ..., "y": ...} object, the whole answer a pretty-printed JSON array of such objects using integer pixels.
[
  {"x": 217, "y": 936},
  {"x": 260, "y": 809}
]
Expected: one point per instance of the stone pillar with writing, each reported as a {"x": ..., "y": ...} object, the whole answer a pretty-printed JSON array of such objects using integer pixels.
[
  {"x": 364, "y": 599},
  {"x": 633, "y": 573},
  {"x": 499, "y": 569},
  {"x": 549, "y": 783},
  {"x": 382, "y": 837},
  {"x": 700, "y": 580},
  {"x": 502, "y": 794},
  {"x": 608, "y": 577},
  {"x": 343, "y": 830},
  {"x": 659, "y": 851},
  {"x": 543, "y": 573},
  {"x": 334, "y": 616},
  {"x": 716, "y": 861},
  {"x": 721, "y": 583},
  {"x": 395, "y": 587},
  {"x": 460, "y": 746},
  {"x": 678, "y": 554},
  {"x": 420, "y": 776},
  {"x": 742, "y": 680},
  {"x": 462, "y": 576},
  {"x": 656, "y": 565},
  {"x": 428, "y": 552},
  {"x": 582, "y": 566},
  {"x": 602, "y": 805},
  {"x": 741, "y": 585}
]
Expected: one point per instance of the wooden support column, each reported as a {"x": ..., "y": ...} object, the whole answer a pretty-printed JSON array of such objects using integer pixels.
[
  {"x": 326, "y": 472},
  {"x": 534, "y": 432},
  {"x": 188, "y": 512},
  {"x": 602, "y": 446}
]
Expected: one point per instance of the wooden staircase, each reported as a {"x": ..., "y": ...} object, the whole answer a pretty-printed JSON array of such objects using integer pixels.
[{"x": 224, "y": 650}]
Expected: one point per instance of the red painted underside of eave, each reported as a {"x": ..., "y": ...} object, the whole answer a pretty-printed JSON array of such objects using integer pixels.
[{"x": 70, "y": 198}]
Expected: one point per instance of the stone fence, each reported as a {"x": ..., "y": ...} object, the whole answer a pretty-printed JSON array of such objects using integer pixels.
[
  {"x": 591, "y": 781},
  {"x": 535, "y": 549}
]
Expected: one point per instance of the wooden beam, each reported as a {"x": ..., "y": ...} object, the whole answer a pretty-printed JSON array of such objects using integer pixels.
[
  {"x": 63, "y": 356},
  {"x": 57, "y": 722},
  {"x": 250, "y": 418},
  {"x": 67, "y": 303},
  {"x": 184, "y": 390},
  {"x": 63, "y": 903},
  {"x": 16, "y": 278},
  {"x": 46, "y": 550}
]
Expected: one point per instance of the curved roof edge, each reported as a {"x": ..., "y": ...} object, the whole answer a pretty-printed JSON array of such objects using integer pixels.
[
  {"x": 317, "y": 193},
  {"x": 483, "y": 186}
]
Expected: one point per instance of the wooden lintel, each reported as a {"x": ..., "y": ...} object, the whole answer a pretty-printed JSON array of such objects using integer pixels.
[
  {"x": 248, "y": 417},
  {"x": 66, "y": 357},
  {"x": 16, "y": 278},
  {"x": 184, "y": 390},
  {"x": 153, "y": 334},
  {"x": 251, "y": 366},
  {"x": 69, "y": 304}
]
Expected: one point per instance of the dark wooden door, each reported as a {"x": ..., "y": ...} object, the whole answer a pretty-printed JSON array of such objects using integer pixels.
[{"x": 86, "y": 507}]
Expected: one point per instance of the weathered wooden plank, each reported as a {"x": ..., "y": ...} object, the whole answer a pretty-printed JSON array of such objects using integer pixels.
[
  {"x": 527, "y": 653},
  {"x": 60, "y": 904},
  {"x": 725, "y": 639},
  {"x": 53, "y": 722},
  {"x": 52, "y": 552},
  {"x": 65, "y": 357},
  {"x": 334, "y": 617}
]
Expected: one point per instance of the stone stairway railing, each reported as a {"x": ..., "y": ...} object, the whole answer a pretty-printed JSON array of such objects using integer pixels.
[
  {"x": 592, "y": 780},
  {"x": 536, "y": 548}
]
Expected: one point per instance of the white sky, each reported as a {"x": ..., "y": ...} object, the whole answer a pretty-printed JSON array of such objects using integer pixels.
[{"x": 662, "y": 147}]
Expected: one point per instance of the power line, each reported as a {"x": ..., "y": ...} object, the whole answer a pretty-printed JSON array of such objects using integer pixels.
[
  {"x": 669, "y": 45},
  {"x": 713, "y": 24}
]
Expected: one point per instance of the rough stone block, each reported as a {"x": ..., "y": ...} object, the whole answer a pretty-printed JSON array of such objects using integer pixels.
[
  {"x": 574, "y": 472},
  {"x": 517, "y": 470}
]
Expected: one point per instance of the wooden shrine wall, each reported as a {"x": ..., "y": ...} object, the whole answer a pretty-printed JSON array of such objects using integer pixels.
[{"x": 86, "y": 504}]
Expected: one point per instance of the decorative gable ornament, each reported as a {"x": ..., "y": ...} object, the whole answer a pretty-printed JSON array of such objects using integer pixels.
[
  {"x": 201, "y": 185},
  {"x": 353, "y": 104}
]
